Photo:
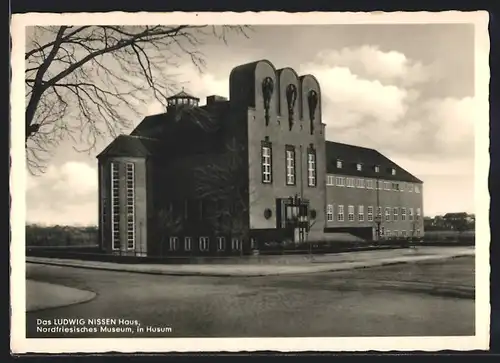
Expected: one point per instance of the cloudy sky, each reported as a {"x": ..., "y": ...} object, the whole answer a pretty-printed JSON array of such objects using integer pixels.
[{"x": 406, "y": 90}]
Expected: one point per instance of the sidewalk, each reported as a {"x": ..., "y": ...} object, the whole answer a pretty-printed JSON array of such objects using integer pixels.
[
  {"x": 42, "y": 295},
  {"x": 319, "y": 263}
]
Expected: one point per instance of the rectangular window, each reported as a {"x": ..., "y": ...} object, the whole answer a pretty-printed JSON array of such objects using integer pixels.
[
  {"x": 418, "y": 232},
  {"x": 290, "y": 165},
  {"x": 377, "y": 169},
  {"x": 311, "y": 168},
  {"x": 403, "y": 214},
  {"x": 410, "y": 214},
  {"x": 360, "y": 183},
  {"x": 387, "y": 186},
  {"x": 174, "y": 243},
  {"x": 417, "y": 189},
  {"x": 359, "y": 167},
  {"x": 361, "y": 213},
  {"x": 267, "y": 163},
  {"x": 395, "y": 187},
  {"x": 395, "y": 214},
  {"x": 410, "y": 187},
  {"x": 403, "y": 233},
  {"x": 350, "y": 213},
  {"x": 204, "y": 244},
  {"x": 380, "y": 185},
  {"x": 388, "y": 233},
  {"x": 235, "y": 244},
  {"x": 329, "y": 212},
  {"x": 379, "y": 211},
  {"x": 387, "y": 214},
  {"x": 417, "y": 216},
  {"x": 395, "y": 233},
  {"x": 187, "y": 243},
  {"x": 330, "y": 180},
  {"x": 403, "y": 187},
  {"x": 393, "y": 171},
  {"x": 370, "y": 214},
  {"x": 221, "y": 243},
  {"x": 369, "y": 183},
  {"x": 340, "y": 181},
  {"x": 130, "y": 206},
  {"x": 339, "y": 164},
  {"x": 340, "y": 214},
  {"x": 350, "y": 182},
  {"x": 115, "y": 206}
]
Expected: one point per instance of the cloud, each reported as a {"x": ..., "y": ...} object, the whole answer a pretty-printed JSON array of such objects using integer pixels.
[
  {"x": 366, "y": 102},
  {"x": 65, "y": 194},
  {"x": 370, "y": 62},
  {"x": 349, "y": 98}
]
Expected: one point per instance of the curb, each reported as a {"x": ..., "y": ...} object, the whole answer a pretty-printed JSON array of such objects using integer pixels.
[
  {"x": 333, "y": 268},
  {"x": 87, "y": 296}
]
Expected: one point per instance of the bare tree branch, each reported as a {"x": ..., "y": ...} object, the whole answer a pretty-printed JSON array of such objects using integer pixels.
[{"x": 89, "y": 82}]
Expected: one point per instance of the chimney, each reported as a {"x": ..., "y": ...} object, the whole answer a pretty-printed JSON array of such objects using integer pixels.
[{"x": 214, "y": 99}]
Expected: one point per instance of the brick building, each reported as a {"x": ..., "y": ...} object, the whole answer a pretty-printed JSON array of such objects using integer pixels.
[{"x": 234, "y": 175}]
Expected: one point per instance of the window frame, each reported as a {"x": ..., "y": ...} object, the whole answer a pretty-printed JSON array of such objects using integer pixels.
[
  {"x": 266, "y": 161},
  {"x": 361, "y": 213},
  {"x": 290, "y": 170},
  {"x": 350, "y": 213},
  {"x": 340, "y": 213}
]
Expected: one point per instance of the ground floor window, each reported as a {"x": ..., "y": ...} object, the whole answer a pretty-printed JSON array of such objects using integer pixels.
[
  {"x": 388, "y": 233},
  {"x": 221, "y": 243},
  {"x": 340, "y": 214},
  {"x": 395, "y": 233},
  {"x": 174, "y": 243},
  {"x": 403, "y": 233},
  {"x": 235, "y": 244},
  {"x": 252, "y": 243},
  {"x": 329, "y": 212},
  {"x": 187, "y": 243},
  {"x": 370, "y": 214},
  {"x": 204, "y": 243}
]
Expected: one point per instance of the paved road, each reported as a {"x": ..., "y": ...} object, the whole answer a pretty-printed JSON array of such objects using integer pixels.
[{"x": 382, "y": 301}]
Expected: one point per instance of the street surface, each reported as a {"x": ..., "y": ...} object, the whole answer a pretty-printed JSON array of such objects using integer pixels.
[{"x": 415, "y": 299}]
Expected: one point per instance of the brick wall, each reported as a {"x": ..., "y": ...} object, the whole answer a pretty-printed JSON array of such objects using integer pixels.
[
  {"x": 337, "y": 195},
  {"x": 278, "y": 133}
]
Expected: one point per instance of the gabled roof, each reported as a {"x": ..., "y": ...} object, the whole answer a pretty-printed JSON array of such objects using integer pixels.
[
  {"x": 129, "y": 145},
  {"x": 351, "y": 155},
  {"x": 183, "y": 94}
]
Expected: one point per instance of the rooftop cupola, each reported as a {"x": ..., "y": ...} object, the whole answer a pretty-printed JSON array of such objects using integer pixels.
[{"x": 182, "y": 98}]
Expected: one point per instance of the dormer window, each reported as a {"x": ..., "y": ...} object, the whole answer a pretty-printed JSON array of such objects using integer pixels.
[
  {"x": 359, "y": 167},
  {"x": 377, "y": 169},
  {"x": 393, "y": 171},
  {"x": 339, "y": 164}
]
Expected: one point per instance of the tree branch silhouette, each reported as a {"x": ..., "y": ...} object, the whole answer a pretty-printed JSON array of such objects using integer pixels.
[{"x": 87, "y": 82}]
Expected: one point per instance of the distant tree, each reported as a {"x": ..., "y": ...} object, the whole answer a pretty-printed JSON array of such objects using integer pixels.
[
  {"x": 457, "y": 221},
  {"x": 168, "y": 224},
  {"x": 85, "y": 81}
]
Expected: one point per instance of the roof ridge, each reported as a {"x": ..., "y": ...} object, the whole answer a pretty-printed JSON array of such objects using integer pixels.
[{"x": 346, "y": 144}]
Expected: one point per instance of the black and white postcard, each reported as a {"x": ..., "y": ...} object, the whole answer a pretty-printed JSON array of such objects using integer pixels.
[{"x": 231, "y": 182}]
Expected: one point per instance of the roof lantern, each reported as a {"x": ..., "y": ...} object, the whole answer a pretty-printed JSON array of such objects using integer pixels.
[{"x": 182, "y": 98}]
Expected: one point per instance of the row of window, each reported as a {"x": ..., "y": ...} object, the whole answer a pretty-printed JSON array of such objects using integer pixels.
[
  {"x": 290, "y": 171},
  {"x": 391, "y": 214},
  {"x": 115, "y": 205},
  {"x": 204, "y": 243},
  {"x": 341, "y": 181},
  {"x": 360, "y": 167}
]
